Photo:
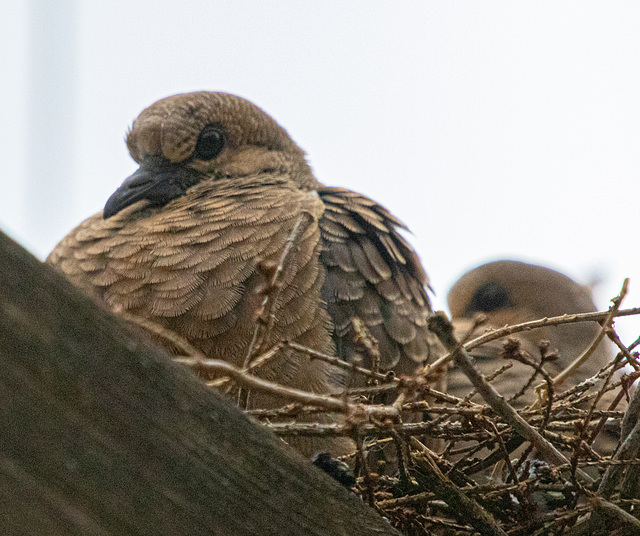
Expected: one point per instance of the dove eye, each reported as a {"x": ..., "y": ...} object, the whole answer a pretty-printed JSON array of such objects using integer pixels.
[
  {"x": 210, "y": 143},
  {"x": 489, "y": 297}
]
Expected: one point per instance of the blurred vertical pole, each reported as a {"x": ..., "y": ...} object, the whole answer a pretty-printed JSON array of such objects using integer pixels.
[{"x": 51, "y": 118}]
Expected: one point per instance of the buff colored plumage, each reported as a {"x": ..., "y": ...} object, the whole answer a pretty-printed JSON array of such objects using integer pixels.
[
  {"x": 510, "y": 292},
  {"x": 220, "y": 192}
]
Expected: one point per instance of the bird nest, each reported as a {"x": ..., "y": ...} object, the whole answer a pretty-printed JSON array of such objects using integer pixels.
[{"x": 433, "y": 463}]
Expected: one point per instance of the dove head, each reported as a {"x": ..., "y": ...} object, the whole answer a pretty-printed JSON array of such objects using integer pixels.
[
  {"x": 510, "y": 291},
  {"x": 184, "y": 139}
]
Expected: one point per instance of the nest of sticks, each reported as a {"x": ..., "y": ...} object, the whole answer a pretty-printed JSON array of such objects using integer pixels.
[{"x": 567, "y": 464}]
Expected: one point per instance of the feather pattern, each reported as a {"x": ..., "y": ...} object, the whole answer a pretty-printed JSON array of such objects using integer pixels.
[
  {"x": 191, "y": 241},
  {"x": 373, "y": 274}
]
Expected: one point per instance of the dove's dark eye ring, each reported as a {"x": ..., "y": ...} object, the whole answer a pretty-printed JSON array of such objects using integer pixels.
[
  {"x": 210, "y": 142},
  {"x": 489, "y": 297}
]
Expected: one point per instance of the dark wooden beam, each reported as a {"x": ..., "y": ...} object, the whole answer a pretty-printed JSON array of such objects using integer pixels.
[{"x": 101, "y": 434}]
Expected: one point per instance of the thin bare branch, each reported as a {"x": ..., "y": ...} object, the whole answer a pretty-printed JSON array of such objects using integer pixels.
[
  {"x": 440, "y": 325},
  {"x": 467, "y": 510},
  {"x": 550, "y": 321},
  {"x": 616, "y": 302}
]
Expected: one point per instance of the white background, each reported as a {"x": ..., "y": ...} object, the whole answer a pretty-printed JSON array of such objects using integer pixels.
[{"x": 494, "y": 130}]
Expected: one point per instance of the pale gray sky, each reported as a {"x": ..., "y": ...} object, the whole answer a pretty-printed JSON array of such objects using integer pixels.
[{"x": 494, "y": 129}]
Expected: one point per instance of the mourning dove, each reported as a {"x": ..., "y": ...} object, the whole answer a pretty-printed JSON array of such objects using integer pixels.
[
  {"x": 222, "y": 198},
  {"x": 511, "y": 292}
]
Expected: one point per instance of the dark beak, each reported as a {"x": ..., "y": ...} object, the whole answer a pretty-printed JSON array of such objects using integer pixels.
[{"x": 157, "y": 181}]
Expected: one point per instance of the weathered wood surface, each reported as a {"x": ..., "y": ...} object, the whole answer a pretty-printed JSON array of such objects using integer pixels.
[{"x": 101, "y": 434}]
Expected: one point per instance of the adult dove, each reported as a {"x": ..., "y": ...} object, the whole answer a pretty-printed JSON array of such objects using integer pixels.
[
  {"x": 222, "y": 198},
  {"x": 512, "y": 292}
]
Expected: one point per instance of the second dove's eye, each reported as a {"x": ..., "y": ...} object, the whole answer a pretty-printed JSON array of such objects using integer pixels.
[
  {"x": 489, "y": 297},
  {"x": 210, "y": 143}
]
